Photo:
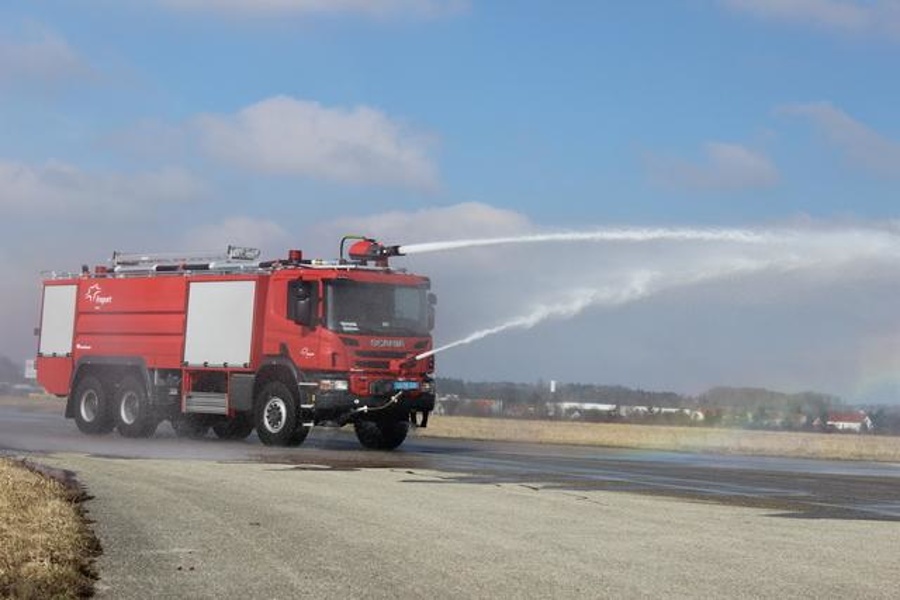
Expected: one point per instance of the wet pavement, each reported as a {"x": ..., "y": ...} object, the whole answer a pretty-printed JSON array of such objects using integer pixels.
[{"x": 788, "y": 487}]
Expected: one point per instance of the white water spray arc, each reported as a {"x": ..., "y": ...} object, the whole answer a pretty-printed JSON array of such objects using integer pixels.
[
  {"x": 781, "y": 250},
  {"x": 605, "y": 235}
]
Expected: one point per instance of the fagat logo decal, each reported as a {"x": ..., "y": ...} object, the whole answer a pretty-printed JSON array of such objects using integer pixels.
[{"x": 95, "y": 296}]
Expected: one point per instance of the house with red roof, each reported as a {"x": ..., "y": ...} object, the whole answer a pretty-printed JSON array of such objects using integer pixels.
[{"x": 856, "y": 421}]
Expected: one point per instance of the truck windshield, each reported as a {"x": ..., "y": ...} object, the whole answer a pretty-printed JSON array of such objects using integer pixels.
[{"x": 379, "y": 309}]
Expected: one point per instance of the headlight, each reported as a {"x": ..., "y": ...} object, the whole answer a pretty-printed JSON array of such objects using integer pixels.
[{"x": 334, "y": 385}]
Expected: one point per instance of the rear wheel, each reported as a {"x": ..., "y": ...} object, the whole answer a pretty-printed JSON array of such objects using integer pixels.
[
  {"x": 134, "y": 415},
  {"x": 236, "y": 428},
  {"x": 277, "y": 416},
  {"x": 93, "y": 413},
  {"x": 381, "y": 435}
]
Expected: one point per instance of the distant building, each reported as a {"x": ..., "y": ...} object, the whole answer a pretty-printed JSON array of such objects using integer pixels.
[
  {"x": 576, "y": 411},
  {"x": 856, "y": 421}
]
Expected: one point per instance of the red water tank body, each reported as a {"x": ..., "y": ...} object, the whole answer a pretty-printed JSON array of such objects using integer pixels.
[{"x": 230, "y": 344}]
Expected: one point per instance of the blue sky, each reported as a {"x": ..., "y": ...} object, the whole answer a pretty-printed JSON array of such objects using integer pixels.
[{"x": 161, "y": 123}]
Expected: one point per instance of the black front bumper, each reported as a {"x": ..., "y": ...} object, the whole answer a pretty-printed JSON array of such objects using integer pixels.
[{"x": 329, "y": 405}]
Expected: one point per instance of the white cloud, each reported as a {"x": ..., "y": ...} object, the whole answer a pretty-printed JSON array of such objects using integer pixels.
[
  {"x": 369, "y": 8},
  {"x": 469, "y": 219},
  {"x": 268, "y": 236},
  {"x": 862, "y": 145},
  {"x": 860, "y": 17},
  {"x": 59, "y": 190},
  {"x": 37, "y": 55},
  {"x": 728, "y": 167},
  {"x": 283, "y": 135}
]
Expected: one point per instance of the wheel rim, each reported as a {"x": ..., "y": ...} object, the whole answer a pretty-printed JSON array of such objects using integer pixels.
[
  {"x": 90, "y": 405},
  {"x": 275, "y": 415},
  {"x": 130, "y": 408}
]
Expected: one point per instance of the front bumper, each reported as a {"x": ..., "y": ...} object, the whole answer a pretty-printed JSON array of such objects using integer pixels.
[{"x": 334, "y": 403}]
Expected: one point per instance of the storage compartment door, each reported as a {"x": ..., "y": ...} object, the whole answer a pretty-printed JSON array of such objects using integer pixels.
[
  {"x": 57, "y": 320},
  {"x": 219, "y": 323}
]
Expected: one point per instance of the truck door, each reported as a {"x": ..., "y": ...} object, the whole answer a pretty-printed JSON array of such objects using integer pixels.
[{"x": 303, "y": 309}]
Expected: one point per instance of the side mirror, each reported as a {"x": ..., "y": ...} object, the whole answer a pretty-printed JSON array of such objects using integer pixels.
[
  {"x": 302, "y": 304},
  {"x": 303, "y": 309},
  {"x": 432, "y": 301}
]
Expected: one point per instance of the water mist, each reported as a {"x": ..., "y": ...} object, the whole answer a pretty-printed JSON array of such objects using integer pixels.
[{"x": 743, "y": 252}]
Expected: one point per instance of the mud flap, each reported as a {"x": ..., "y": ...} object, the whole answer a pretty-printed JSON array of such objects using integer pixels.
[{"x": 416, "y": 422}]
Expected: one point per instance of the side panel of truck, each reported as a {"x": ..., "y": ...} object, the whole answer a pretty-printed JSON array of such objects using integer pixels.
[
  {"x": 132, "y": 318},
  {"x": 219, "y": 323},
  {"x": 57, "y": 331},
  {"x": 58, "y": 320}
]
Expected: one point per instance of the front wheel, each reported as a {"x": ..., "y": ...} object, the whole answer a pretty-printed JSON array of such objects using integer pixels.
[
  {"x": 134, "y": 414},
  {"x": 278, "y": 416},
  {"x": 93, "y": 413},
  {"x": 381, "y": 435}
]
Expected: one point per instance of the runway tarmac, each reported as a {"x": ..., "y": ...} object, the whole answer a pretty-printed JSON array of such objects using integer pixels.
[
  {"x": 463, "y": 519},
  {"x": 800, "y": 488}
]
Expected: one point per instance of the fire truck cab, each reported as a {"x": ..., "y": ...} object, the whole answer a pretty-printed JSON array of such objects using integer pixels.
[{"x": 233, "y": 344}]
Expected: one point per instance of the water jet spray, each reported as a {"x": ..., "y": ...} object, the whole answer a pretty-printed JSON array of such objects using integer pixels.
[
  {"x": 794, "y": 250},
  {"x": 747, "y": 236}
]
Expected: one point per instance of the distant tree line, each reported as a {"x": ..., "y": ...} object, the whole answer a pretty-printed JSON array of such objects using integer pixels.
[
  {"x": 744, "y": 407},
  {"x": 518, "y": 393}
]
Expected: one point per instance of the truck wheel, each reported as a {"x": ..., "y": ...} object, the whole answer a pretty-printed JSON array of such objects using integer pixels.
[
  {"x": 237, "y": 428},
  {"x": 134, "y": 415},
  {"x": 277, "y": 418},
  {"x": 381, "y": 435},
  {"x": 190, "y": 426},
  {"x": 93, "y": 414}
]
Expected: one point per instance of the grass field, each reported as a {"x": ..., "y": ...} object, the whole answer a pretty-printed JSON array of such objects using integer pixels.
[
  {"x": 46, "y": 547},
  {"x": 659, "y": 437}
]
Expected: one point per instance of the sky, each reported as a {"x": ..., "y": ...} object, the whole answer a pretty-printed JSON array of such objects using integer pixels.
[{"x": 165, "y": 125}]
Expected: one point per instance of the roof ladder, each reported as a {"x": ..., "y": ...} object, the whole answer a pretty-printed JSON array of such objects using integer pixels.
[{"x": 234, "y": 258}]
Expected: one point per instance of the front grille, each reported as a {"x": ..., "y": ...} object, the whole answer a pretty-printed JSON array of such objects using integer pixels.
[{"x": 373, "y": 364}]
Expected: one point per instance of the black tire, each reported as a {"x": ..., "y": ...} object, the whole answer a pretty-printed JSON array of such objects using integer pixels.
[
  {"x": 278, "y": 416},
  {"x": 381, "y": 435},
  {"x": 237, "y": 428},
  {"x": 190, "y": 426},
  {"x": 134, "y": 415},
  {"x": 93, "y": 413}
]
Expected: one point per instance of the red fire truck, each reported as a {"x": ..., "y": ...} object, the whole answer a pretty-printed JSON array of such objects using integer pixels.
[{"x": 235, "y": 344}]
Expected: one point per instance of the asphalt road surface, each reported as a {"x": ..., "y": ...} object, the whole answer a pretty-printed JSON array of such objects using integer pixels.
[{"x": 464, "y": 519}]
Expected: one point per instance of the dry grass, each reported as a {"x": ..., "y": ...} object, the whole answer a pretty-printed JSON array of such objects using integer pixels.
[
  {"x": 46, "y": 547},
  {"x": 658, "y": 437}
]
